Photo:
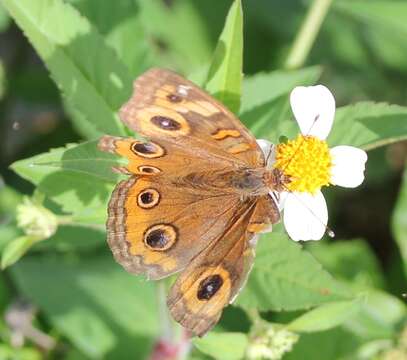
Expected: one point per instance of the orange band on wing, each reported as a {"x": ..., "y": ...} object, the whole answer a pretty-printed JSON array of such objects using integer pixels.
[
  {"x": 224, "y": 133},
  {"x": 237, "y": 149}
]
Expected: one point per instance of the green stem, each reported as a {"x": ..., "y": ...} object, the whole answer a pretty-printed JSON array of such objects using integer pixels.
[
  {"x": 254, "y": 316},
  {"x": 166, "y": 325},
  {"x": 65, "y": 220},
  {"x": 70, "y": 220},
  {"x": 174, "y": 336},
  {"x": 307, "y": 34}
]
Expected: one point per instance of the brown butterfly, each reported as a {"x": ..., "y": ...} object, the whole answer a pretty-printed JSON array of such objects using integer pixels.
[{"x": 197, "y": 195}]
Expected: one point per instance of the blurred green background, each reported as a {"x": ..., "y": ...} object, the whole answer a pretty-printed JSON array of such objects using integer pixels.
[{"x": 75, "y": 287}]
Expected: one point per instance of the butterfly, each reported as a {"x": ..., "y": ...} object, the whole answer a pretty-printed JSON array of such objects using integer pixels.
[{"x": 197, "y": 193}]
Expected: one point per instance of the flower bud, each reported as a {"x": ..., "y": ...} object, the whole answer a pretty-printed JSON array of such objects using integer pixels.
[
  {"x": 35, "y": 220},
  {"x": 270, "y": 343}
]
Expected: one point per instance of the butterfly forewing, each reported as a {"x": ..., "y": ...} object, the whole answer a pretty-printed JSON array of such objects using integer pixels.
[
  {"x": 161, "y": 157},
  {"x": 166, "y": 106}
]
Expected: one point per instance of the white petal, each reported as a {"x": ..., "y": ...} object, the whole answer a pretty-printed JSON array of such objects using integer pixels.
[
  {"x": 314, "y": 109},
  {"x": 268, "y": 149},
  {"x": 348, "y": 166},
  {"x": 305, "y": 216}
]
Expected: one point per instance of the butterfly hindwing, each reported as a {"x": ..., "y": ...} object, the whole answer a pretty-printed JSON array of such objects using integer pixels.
[{"x": 213, "y": 279}]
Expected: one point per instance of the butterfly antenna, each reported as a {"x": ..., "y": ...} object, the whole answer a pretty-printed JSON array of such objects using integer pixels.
[{"x": 269, "y": 153}]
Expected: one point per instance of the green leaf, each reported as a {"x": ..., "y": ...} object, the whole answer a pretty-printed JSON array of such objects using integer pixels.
[
  {"x": 384, "y": 29},
  {"x": 4, "y": 19},
  {"x": 389, "y": 14},
  {"x": 348, "y": 47},
  {"x": 399, "y": 220},
  {"x": 85, "y": 197},
  {"x": 285, "y": 277},
  {"x": 223, "y": 346},
  {"x": 106, "y": 15},
  {"x": 75, "y": 237},
  {"x": 87, "y": 159},
  {"x": 181, "y": 27},
  {"x": 88, "y": 72},
  {"x": 67, "y": 176},
  {"x": 351, "y": 260},
  {"x": 120, "y": 25},
  {"x": 8, "y": 232},
  {"x": 334, "y": 344},
  {"x": 9, "y": 199},
  {"x": 388, "y": 46},
  {"x": 15, "y": 250},
  {"x": 102, "y": 310},
  {"x": 84, "y": 159},
  {"x": 271, "y": 120},
  {"x": 262, "y": 88},
  {"x": 81, "y": 123},
  {"x": 36, "y": 168},
  {"x": 137, "y": 57},
  {"x": 380, "y": 312},
  {"x": 379, "y": 316},
  {"x": 369, "y": 125},
  {"x": 26, "y": 353},
  {"x": 326, "y": 316},
  {"x": 225, "y": 74},
  {"x": 265, "y": 103}
]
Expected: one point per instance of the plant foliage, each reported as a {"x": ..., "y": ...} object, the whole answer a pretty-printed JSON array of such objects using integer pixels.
[{"x": 334, "y": 298}]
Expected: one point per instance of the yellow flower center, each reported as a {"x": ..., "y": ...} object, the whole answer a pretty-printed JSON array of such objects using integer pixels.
[{"x": 307, "y": 161}]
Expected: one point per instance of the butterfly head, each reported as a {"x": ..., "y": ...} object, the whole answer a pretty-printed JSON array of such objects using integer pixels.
[{"x": 276, "y": 180}]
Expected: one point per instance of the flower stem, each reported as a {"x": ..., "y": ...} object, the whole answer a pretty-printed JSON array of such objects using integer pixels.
[
  {"x": 254, "y": 316},
  {"x": 70, "y": 220},
  {"x": 173, "y": 342},
  {"x": 307, "y": 34},
  {"x": 166, "y": 326}
]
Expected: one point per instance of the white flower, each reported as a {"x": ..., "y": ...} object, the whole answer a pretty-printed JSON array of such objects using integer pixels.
[{"x": 310, "y": 164}]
